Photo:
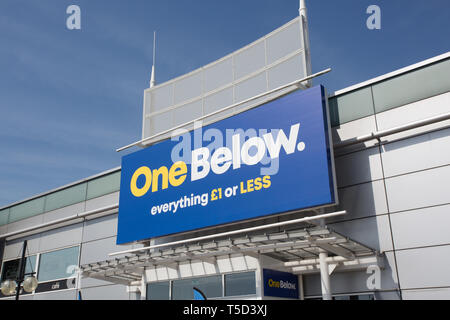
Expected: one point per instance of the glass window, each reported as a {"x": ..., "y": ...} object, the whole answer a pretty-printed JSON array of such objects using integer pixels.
[
  {"x": 10, "y": 268},
  {"x": 238, "y": 284},
  {"x": 210, "y": 286},
  {"x": 158, "y": 291},
  {"x": 55, "y": 265},
  {"x": 4, "y": 215},
  {"x": 103, "y": 185},
  {"x": 26, "y": 210},
  {"x": 182, "y": 290},
  {"x": 417, "y": 85},
  {"x": 351, "y": 106},
  {"x": 65, "y": 197}
]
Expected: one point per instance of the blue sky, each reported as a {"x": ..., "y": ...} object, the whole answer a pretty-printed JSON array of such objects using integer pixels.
[{"x": 68, "y": 99}]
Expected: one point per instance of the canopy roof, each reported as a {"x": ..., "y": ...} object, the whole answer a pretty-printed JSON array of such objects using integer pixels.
[{"x": 297, "y": 249}]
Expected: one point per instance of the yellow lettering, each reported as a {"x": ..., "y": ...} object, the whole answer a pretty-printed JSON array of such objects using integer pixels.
[
  {"x": 139, "y": 192},
  {"x": 242, "y": 188},
  {"x": 250, "y": 185},
  {"x": 273, "y": 283},
  {"x": 258, "y": 184},
  {"x": 267, "y": 182},
  {"x": 178, "y": 169},
  {"x": 164, "y": 172}
]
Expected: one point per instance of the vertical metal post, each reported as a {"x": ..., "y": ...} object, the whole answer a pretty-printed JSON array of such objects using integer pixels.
[
  {"x": 152, "y": 76},
  {"x": 301, "y": 287},
  {"x": 143, "y": 288},
  {"x": 324, "y": 275},
  {"x": 304, "y": 21},
  {"x": 21, "y": 270}
]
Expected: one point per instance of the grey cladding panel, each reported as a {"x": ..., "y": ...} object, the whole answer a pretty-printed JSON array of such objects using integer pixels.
[
  {"x": 61, "y": 237},
  {"x": 424, "y": 267},
  {"x": 113, "y": 292},
  {"x": 98, "y": 250},
  {"x": 104, "y": 227},
  {"x": 423, "y": 227},
  {"x": 419, "y": 189},
  {"x": 358, "y": 167}
]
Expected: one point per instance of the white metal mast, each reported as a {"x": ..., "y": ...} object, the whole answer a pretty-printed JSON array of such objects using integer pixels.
[
  {"x": 323, "y": 255},
  {"x": 304, "y": 20},
  {"x": 152, "y": 77}
]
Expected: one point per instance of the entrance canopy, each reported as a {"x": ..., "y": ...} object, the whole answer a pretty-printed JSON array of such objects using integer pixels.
[{"x": 296, "y": 250}]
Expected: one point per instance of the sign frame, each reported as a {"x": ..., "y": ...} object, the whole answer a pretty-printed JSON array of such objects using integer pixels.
[{"x": 331, "y": 178}]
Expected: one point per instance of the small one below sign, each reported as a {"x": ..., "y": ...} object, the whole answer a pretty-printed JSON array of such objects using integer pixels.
[{"x": 280, "y": 284}]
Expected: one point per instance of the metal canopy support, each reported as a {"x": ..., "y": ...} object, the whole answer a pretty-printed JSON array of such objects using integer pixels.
[
  {"x": 143, "y": 288},
  {"x": 324, "y": 275},
  {"x": 339, "y": 264}
]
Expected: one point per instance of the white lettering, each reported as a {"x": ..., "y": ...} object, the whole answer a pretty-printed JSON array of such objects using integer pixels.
[
  {"x": 221, "y": 160},
  {"x": 202, "y": 162},
  {"x": 288, "y": 144},
  {"x": 245, "y": 152}
]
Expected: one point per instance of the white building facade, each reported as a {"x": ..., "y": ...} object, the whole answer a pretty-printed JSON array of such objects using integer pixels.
[{"x": 391, "y": 141}]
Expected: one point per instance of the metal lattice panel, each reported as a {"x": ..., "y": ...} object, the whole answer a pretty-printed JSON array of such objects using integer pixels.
[
  {"x": 298, "y": 249},
  {"x": 270, "y": 62}
]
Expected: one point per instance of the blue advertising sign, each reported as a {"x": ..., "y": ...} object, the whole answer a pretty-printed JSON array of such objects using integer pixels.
[
  {"x": 271, "y": 159},
  {"x": 280, "y": 284}
]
